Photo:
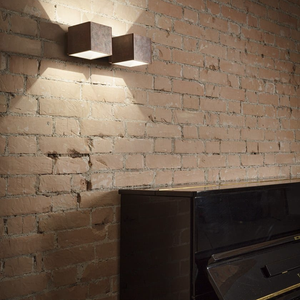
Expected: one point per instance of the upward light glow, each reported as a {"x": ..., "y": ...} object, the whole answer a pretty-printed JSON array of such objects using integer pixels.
[{"x": 89, "y": 54}]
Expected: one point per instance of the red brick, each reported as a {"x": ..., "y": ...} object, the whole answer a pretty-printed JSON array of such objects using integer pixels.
[
  {"x": 233, "y": 147},
  {"x": 232, "y": 174},
  {"x": 165, "y": 8},
  {"x": 78, "y": 237},
  {"x": 22, "y": 144},
  {"x": 123, "y": 179},
  {"x": 22, "y": 25},
  {"x": 134, "y": 161},
  {"x": 189, "y": 117},
  {"x": 92, "y": 199},
  {"x": 213, "y": 22},
  {"x": 55, "y": 183},
  {"x": 24, "y": 205},
  {"x": 64, "y": 220},
  {"x": 68, "y": 257},
  {"x": 268, "y": 147},
  {"x": 232, "y": 94},
  {"x": 188, "y": 176},
  {"x": 234, "y": 15},
  {"x": 18, "y": 266},
  {"x": 66, "y": 165},
  {"x": 211, "y": 161},
  {"x": 58, "y": 107},
  {"x": 77, "y": 292},
  {"x": 189, "y": 58},
  {"x": 163, "y": 130},
  {"x": 23, "y": 286},
  {"x": 163, "y": 145},
  {"x": 21, "y": 185},
  {"x": 100, "y": 270},
  {"x": 188, "y": 87},
  {"x": 170, "y": 161},
  {"x": 102, "y": 287},
  {"x": 232, "y": 120},
  {"x": 26, "y": 245},
  {"x": 214, "y": 77},
  {"x": 26, "y": 125},
  {"x": 18, "y": 44},
  {"x": 213, "y": 105},
  {"x": 64, "y": 202},
  {"x": 106, "y": 161},
  {"x": 64, "y": 277},
  {"x": 212, "y": 49},
  {"x": 11, "y": 83},
  {"x": 69, "y": 145},
  {"x": 188, "y": 146},
  {"x": 100, "y": 128},
  {"x": 23, "y": 65}
]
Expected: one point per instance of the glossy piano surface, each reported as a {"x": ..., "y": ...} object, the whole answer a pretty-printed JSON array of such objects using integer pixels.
[{"x": 169, "y": 236}]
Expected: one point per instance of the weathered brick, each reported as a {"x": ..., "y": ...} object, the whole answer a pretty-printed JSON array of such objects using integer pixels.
[
  {"x": 18, "y": 266},
  {"x": 189, "y": 117},
  {"x": 133, "y": 145},
  {"x": 15, "y": 246},
  {"x": 100, "y": 270},
  {"x": 23, "y": 286},
  {"x": 188, "y": 146},
  {"x": 18, "y": 44},
  {"x": 233, "y": 147},
  {"x": 11, "y": 83},
  {"x": 24, "y": 205},
  {"x": 64, "y": 277},
  {"x": 69, "y": 145},
  {"x": 211, "y": 161},
  {"x": 55, "y": 183},
  {"x": 78, "y": 237},
  {"x": 21, "y": 185},
  {"x": 22, "y": 144},
  {"x": 67, "y": 126},
  {"x": 102, "y": 180},
  {"x": 26, "y": 125},
  {"x": 64, "y": 220},
  {"x": 64, "y": 202},
  {"x": 106, "y": 161},
  {"x": 188, "y": 87},
  {"x": 77, "y": 292},
  {"x": 188, "y": 176},
  {"x": 58, "y": 107},
  {"x": 68, "y": 257},
  {"x": 21, "y": 65},
  {"x": 100, "y": 128},
  {"x": 49, "y": 88},
  {"x": 23, "y": 104},
  {"x": 103, "y": 93},
  {"x": 163, "y": 130},
  {"x": 142, "y": 178},
  {"x": 25, "y": 165},
  {"x": 170, "y": 161},
  {"x": 66, "y": 165}
]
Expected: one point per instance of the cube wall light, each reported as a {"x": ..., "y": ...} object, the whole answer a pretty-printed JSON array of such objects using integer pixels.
[{"x": 92, "y": 41}]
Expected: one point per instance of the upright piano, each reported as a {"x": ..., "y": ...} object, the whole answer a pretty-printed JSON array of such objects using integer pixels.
[{"x": 236, "y": 241}]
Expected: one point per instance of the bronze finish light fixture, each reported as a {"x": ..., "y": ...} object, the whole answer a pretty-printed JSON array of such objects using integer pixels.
[
  {"x": 90, "y": 40},
  {"x": 131, "y": 50}
]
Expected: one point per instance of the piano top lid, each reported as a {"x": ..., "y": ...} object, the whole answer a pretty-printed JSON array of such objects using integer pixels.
[{"x": 191, "y": 190}]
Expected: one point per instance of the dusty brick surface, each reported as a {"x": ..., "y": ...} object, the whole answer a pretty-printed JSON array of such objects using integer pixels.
[{"x": 220, "y": 102}]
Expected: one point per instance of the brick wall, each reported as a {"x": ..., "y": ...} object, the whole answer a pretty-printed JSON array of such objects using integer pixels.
[{"x": 219, "y": 102}]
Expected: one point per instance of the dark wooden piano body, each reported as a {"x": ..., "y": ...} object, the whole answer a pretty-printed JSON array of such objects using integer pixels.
[{"x": 231, "y": 242}]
